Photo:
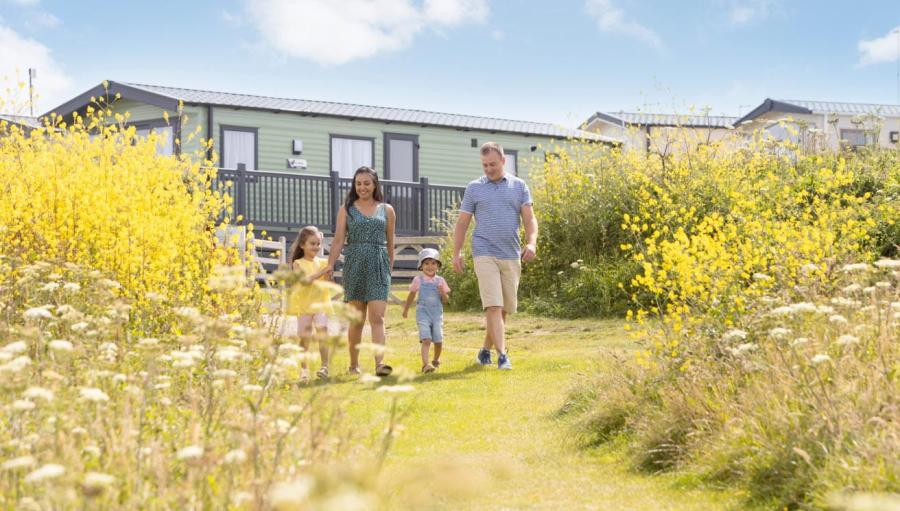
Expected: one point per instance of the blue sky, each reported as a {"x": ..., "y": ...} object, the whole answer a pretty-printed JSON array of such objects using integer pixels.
[{"x": 553, "y": 61}]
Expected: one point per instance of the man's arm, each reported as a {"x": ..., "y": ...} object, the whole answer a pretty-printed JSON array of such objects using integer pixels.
[
  {"x": 531, "y": 233},
  {"x": 459, "y": 239}
]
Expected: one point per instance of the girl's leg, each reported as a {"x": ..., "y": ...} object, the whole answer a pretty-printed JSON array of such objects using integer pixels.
[
  {"x": 354, "y": 334},
  {"x": 375, "y": 314},
  {"x": 322, "y": 338},
  {"x": 304, "y": 332},
  {"x": 426, "y": 346}
]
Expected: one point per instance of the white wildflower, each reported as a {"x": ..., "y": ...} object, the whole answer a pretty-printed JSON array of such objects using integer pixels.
[
  {"x": 855, "y": 267},
  {"x": 845, "y": 302},
  {"x": 250, "y": 387},
  {"x": 165, "y": 401},
  {"x": 837, "y": 319},
  {"x": 292, "y": 495},
  {"x": 888, "y": 263},
  {"x": 869, "y": 290},
  {"x": 761, "y": 276},
  {"x": 98, "y": 480},
  {"x": 743, "y": 348},
  {"x": 48, "y": 471},
  {"x": 50, "y": 286},
  {"x": 93, "y": 394},
  {"x": 119, "y": 378},
  {"x": 734, "y": 334},
  {"x": 155, "y": 297},
  {"x": 148, "y": 342},
  {"x": 61, "y": 346},
  {"x": 93, "y": 450},
  {"x": 112, "y": 284},
  {"x": 799, "y": 341},
  {"x": 38, "y": 313},
  {"x": 778, "y": 332},
  {"x": 38, "y": 393},
  {"x": 190, "y": 313},
  {"x": 282, "y": 426},
  {"x": 395, "y": 389},
  {"x": 820, "y": 358},
  {"x": 574, "y": 265},
  {"x": 18, "y": 463},
  {"x": 79, "y": 431},
  {"x": 883, "y": 285},
  {"x": 225, "y": 373},
  {"x": 846, "y": 340},
  {"x": 162, "y": 386},
  {"x": 72, "y": 287},
  {"x": 79, "y": 327},
  {"x": 825, "y": 309},
  {"x": 852, "y": 288},
  {"x": 809, "y": 268},
  {"x": 190, "y": 452},
  {"x": 16, "y": 365},
  {"x": 235, "y": 457},
  {"x": 22, "y": 405},
  {"x": 16, "y": 347}
]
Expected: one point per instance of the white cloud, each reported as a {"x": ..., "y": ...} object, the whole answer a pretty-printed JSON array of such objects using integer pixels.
[
  {"x": 611, "y": 19},
  {"x": 17, "y": 54},
  {"x": 498, "y": 35},
  {"x": 43, "y": 19},
  {"x": 25, "y": 2},
  {"x": 881, "y": 49},
  {"x": 332, "y": 33},
  {"x": 742, "y": 12}
]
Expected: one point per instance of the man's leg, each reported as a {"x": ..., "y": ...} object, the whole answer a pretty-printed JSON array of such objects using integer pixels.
[{"x": 495, "y": 326}]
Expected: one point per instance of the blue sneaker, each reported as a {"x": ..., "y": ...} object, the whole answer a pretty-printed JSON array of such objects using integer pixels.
[
  {"x": 503, "y": 362},
  {"x": 484, "y": 357}
]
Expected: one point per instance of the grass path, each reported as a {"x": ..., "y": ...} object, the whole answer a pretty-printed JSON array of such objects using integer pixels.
[{"x": 485, "y": 439}]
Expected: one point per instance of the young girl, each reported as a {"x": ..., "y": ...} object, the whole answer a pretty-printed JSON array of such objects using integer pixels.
[
  {"x": 311, "y": 304},
  {"x": 432, "y": 292}
]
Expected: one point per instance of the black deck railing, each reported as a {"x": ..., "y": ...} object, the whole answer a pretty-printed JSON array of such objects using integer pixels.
[{"x": 289, "y": 201}]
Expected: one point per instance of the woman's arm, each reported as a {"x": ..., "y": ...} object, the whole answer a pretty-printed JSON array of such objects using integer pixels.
[
  {"x": 389, "y": 234},
  {"x": 337, "y": 243}
]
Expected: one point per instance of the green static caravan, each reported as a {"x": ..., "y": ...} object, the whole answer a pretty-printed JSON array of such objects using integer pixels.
[{"x": 428, "y": 156}]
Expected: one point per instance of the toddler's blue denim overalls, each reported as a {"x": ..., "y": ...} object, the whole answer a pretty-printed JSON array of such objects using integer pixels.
[{"x": 430, "y": 311}]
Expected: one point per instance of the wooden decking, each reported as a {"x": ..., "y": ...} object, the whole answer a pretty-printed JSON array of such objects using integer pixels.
[{"x": 272, "y": 254}]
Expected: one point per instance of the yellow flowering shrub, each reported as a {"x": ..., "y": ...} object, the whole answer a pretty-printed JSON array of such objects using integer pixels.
[
  {"x": 768, "y": 338},
  {"x": 87, "y": 190}
]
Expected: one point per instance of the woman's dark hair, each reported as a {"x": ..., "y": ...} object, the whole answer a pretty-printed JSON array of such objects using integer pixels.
[
  {"x": 300, "y": 240},
  {"x": 352, "y": 195}
]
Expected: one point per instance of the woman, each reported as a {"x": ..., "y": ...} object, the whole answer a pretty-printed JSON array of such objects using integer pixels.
[{"x": 367, "y": 224}]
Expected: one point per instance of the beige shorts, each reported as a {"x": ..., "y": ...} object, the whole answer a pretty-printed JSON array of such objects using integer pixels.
[{"x": 498, "y": 282}]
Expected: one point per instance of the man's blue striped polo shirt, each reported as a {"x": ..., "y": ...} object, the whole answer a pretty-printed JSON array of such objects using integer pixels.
[{"x": 496, "y": 206}]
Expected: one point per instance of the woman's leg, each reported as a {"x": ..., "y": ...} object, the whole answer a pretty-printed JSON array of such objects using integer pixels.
[
  {"x": 354, "y": 333},
  {"x": 375, "y": 315}
]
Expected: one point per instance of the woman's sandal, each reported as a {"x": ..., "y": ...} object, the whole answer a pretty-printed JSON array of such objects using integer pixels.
[
  {"x": 436, "y": 363},
  {"x": 383, "y": 370},
  {"x": 427, "y": 368},
  {"x": 354, "y": 371}
]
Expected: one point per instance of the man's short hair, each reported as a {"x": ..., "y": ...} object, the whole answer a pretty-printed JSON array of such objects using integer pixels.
[{"x": 488, "y": 147}]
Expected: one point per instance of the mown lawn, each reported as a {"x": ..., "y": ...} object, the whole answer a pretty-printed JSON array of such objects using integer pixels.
[{"x": 479, "y": 438}]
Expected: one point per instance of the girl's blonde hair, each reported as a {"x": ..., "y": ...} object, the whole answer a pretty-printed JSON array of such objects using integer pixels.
[{"x": 300, "y": 240}]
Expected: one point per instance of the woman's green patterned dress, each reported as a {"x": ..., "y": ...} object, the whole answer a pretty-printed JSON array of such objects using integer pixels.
[{"x": 367, "y": 271}]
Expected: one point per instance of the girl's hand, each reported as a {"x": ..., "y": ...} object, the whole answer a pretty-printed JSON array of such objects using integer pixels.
[{"x": 405, "y": 313}]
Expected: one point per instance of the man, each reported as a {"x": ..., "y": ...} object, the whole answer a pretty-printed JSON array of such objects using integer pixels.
[{"x": 497, "y": 201}]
